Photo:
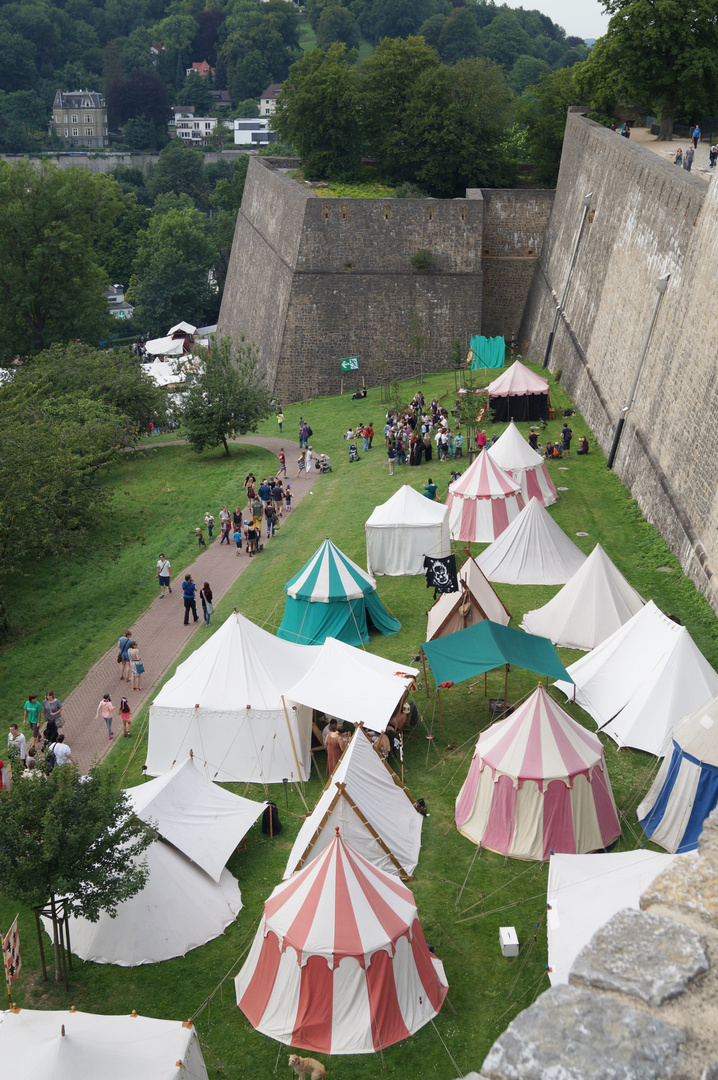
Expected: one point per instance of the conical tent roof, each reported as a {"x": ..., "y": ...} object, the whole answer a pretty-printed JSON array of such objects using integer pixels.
[
  {"x": 333, "y": 597},
  {"x": 224, "y": 703},
  {"x": 534, "y": 550},
  {"x": 64, "y": 1044},
  {"x": 528, "y": 468},
  {"x": 595, "y": 603},
  {"x": 339, "y": 964},
  {"x": 330, "y": 575},
  {"x": 483, "y": 501},
  {"x": 639, "y": 682},
  {"x": 516, "y": 381},
  {"x": 685, "y": 790},
  {"x": 375, "y": 815},
  {"x": 179, "y": 909},
  {"x": 538, "y": 783},
  {"x": 404, "y": 529},
  {"x": 203, "y": 821},
  {"x": 477, "y": 594}
]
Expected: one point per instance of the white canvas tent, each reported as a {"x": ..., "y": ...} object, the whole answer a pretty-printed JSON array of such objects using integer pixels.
[
  {"x": 476, "y": 600},
  {"x": 375, "y": 815},
  {"x": 514, "y": 454},
  {"x": 352, "y": 684},
  {"x": 533, "y": 550},
  {"x": 165, "y": 372},
  {"x": 54, "y": 1044},
  {"x": 401, "y": 531},
  {"x": 225, "y": 704},
  {"x": 179, "y": 909},
  {"x": 204, "y": 821},
  {"x": 585, "y": 891},
  {"x": 639, "y": 682},
  {"x": 595, "y": 603}
]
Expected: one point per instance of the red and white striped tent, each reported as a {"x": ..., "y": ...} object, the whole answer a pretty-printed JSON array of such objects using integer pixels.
[
  {"x": 483, "y": 502},
  {"x": 514, "y": 454},
  {"x": 538, "y": 784},
  {"x": 339, "y": 964}
]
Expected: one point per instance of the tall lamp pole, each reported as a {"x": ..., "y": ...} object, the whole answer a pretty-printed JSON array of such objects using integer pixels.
[
  {"x": 661, "y": 286},
  {"x": 574, "y": 253}
]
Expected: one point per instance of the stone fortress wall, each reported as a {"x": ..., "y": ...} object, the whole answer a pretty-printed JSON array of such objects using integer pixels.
[
  {"x": 315, "y": 279},
  {"x": 648, "y": 218}
]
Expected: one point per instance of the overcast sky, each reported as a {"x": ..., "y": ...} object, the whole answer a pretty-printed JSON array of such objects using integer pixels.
[{"x": 579, "y": 18}]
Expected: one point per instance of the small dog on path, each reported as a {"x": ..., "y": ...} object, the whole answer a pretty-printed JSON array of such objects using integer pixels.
[{"x": 307, "y": 1067}]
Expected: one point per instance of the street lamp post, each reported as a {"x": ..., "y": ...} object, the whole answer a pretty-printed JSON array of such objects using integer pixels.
[
  {"x": 574, "y": 253},
  {"x": 661, "y": 286}
]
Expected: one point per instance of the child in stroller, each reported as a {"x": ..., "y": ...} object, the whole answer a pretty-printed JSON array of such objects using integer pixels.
[
  {"x": 353, "y": 453},
  {"x": 323, "y": 463}
]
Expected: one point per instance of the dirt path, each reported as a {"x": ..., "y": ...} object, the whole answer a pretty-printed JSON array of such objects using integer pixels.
[
  {"x": 160, "y": 632},
  {"x": 667, "y": 150}
]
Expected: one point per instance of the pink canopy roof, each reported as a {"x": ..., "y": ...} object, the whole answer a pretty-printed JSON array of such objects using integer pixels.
[
  {"x": 537, "y": 784},
  {"x": 517, "y": 381},
  {"x": 339, "y": 964},
  {"x": 483, "y": 501}
]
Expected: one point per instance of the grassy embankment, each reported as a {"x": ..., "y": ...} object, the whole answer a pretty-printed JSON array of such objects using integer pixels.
[{"x": 70, "y": 612}]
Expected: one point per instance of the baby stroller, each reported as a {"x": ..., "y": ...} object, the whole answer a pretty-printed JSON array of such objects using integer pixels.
[
  {"x": 323, "y": 464},
  {"x": 353, "y": 454}
]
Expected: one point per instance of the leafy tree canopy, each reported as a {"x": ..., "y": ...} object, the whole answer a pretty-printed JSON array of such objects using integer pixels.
[
  {"x": 338, "y": 24},
  {"x": 543, "y": 109},
  {"x": 181, "y": 170}
]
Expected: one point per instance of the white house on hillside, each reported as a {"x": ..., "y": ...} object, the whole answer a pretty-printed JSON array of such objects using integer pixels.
[
  {"x": 253, "y": 132},
  {"x": 267, "y": 99}
]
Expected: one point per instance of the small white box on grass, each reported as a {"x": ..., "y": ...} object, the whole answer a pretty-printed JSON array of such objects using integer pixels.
[{"x": 509, "y": 941}]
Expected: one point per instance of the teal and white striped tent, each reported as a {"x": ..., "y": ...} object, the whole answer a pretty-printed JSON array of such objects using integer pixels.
[{"x": 333, "y": 597}]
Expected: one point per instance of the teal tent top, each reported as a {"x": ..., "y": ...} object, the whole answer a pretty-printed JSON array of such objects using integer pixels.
[
  {"x": 487, "y": 352},
  {"x": 333, "y": 597},
  {"x": 487, "y": 645}
]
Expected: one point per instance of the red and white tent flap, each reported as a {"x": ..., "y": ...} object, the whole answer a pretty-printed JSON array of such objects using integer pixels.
[
  {"x": 483, "y": 501},
  {"x": 538, "y": 783},
  {"x": 527, "y": 467},
  {"x": 339, "y": 964}
]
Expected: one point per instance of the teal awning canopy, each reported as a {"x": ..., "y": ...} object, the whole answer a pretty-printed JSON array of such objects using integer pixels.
[
  {"x": 487, "y": 645},
  {"x": 487, "y": 352}
]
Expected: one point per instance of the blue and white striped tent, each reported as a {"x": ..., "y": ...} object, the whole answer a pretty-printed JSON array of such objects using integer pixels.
[
  {"x": 333, "y": 597},
  {"x": 686, "y": 787}
]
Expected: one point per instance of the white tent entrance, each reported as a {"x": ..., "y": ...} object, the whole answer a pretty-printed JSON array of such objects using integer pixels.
[{"x": 476, "y": 600}]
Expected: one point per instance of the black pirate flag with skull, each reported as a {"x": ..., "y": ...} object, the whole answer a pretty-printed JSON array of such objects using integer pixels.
[{"x": 441, "y": 574}]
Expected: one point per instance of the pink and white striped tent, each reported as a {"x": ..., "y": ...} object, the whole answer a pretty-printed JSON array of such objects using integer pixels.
[
  {"x": 527, "y": 467},
  {"x": 339, "y": 964},
  {"x": 483, "y": 502},
  {"x": 538, "y": 784}
]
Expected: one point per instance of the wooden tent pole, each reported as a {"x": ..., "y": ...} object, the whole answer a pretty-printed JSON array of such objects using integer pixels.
[
  {"x": 441, "y": 717},
  {"x": 402, "y": 872},
  {"x": 426, "y": 678},
  {"x": 296, "y": 759},
  {"x": 506, "y": 690}
]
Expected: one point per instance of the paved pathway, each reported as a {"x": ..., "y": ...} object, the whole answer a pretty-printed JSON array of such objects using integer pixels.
[
  {"x": 160, "y": 633},
  {"x": 667, "y": 150}
]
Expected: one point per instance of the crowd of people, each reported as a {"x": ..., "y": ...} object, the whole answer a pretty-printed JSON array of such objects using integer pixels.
[
  {"x": 412, "y": 435},
  {"x": 40, "y": 745}
]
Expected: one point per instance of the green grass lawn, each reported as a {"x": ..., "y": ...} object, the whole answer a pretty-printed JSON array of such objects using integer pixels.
[{"x": 462, "y": 897}]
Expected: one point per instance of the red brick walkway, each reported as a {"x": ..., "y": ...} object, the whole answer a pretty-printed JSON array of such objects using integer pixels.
[{"x": 160, "y": 632}]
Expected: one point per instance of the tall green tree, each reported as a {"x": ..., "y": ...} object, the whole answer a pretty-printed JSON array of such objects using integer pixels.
[
  {"x": 174, "y": 257},
  {"x": 180, "y": 170},
  {"x": 319, "y": 111},
  {"x": 660, "y": 54},
  {"x": 542, "y": 110},
  {"x": 226, "y": 395},
  {"x": 338, "y": 24},
  {"x": 72, "y": 839},
  {"x": 51, "y": 280}
]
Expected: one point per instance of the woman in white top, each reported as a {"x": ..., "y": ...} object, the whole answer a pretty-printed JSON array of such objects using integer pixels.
[
  {"x": 134, "y": 657},
  {"x": 106, "y": 709}
]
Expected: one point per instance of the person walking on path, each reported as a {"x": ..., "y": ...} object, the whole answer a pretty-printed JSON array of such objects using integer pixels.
[
  {"x": 309, "y": 461},
  {"x": 107, "y": 709},
  {"x": 688, "y": 159},
  {"x": 123, "y": 645},
  {"x": 278, "y": 498},
  {"x": 190, "y": 603},
  {"x": 270, "y": 515},
  {"x": 53, "y": 709},
  {"x": 209, "y": 522},
  {"x": 32, "y": 716},
  {"x": 137, "y": 668},
  {"x": 205, "y": 595},
  {"x": 696, "y": 136},
  {"x": 164, "y": 574},
  {"x": 200, "y": 539},
  {"x": 282, "y": 462},
  {"x": 301, "y": 462},
  {"x": 125, "y": 716},
  {"x": 61, "y": 751},
  {"x": 288, "y": 497},
  {"x": 225, "y": 531}
]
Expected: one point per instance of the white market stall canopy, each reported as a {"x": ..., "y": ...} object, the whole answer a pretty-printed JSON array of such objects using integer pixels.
[
  {"x": 590, "y": 607},
  {"x": 353, "y": 685},
  {"x": 533, "y": 550},
  {"x": 585, "y": 891},
  {"x": 165, "y": 346},
  {"x": 165, "y": 372},
  {"x": 640, "y": 682},
  {"x": 401, "y": 531},
  {"x": 375, "y": 815},
  {"x": 54, "y": 1044},
  {"x": 204, "y": 821}
]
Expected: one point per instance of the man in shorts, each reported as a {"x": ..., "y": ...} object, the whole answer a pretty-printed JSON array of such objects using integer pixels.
[
  {"x": 33, "y": 714},
  {"x": 278, "y": 497},
  {"x": 164, "y": 573}
]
